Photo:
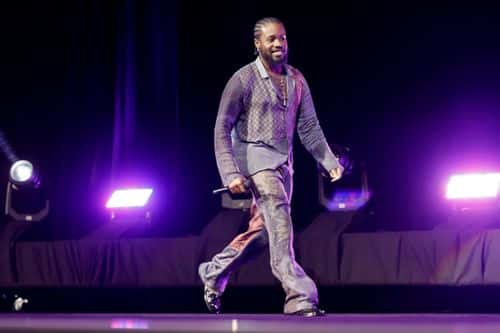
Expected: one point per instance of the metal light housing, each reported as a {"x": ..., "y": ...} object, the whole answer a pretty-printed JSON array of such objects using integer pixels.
[{"x": 24, "y": 199}]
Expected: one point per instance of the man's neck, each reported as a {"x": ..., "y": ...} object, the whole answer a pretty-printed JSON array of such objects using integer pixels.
[{"x": 274, "y": 69}]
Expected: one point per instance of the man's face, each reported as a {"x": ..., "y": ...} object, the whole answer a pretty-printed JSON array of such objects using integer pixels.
[{"x": 272, "y": 44}]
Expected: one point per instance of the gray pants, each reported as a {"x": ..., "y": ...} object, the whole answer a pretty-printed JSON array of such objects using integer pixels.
[{"x": 270, "y": 224}]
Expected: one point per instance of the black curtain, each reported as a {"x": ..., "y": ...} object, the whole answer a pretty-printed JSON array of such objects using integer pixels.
[{"x": 89, "y": 94}]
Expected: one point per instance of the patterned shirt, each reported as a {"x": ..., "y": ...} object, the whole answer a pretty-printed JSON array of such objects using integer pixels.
[{"x": 254, "y": 128}]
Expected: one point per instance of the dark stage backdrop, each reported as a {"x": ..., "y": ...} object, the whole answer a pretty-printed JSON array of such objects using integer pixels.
[
  {"x": 100, "y": 92},
  {"x": 413, "y": 91}
]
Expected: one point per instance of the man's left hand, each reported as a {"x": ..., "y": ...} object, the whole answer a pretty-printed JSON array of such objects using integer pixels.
[{"x": 336, "y": 173}]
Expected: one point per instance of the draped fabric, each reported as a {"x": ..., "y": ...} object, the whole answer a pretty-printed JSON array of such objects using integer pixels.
[{"x": 332, "y": 256}]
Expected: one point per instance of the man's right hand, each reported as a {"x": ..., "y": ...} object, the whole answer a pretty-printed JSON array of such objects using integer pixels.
[{"x": 237, "y": 186}]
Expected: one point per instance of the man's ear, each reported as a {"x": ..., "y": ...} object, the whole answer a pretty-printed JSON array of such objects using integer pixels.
[{"x": 256, "y": 43}]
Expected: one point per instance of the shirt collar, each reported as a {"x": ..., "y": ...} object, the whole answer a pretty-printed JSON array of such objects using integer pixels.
[{"x": 262, "y": 70}]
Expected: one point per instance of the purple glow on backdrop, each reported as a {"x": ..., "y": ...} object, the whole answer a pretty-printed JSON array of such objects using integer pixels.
[
  {"x": 135, "y": 197},
  {"x": 473, "y": 186},
  {"x": 125, "y": 93}
]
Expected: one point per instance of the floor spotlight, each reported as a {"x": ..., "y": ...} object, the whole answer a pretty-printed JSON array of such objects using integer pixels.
[
  {"x": 473, "y": 200},
  {"x": 25, "y": 200},
  {"x": 351, "y": 192},
  {"x": 129, "y": 211},
  {"x": 22, "y": 173},
  {"x": 130, "y": 204},
  {"x": 474, "y": 191}
]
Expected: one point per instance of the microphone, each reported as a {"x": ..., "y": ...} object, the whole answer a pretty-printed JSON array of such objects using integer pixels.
[{"x": 246, "y": 183}]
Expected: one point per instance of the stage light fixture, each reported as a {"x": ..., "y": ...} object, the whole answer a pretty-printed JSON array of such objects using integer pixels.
[
  {"x": 472, "y": 191},
  {"x": 25, "y": 200},
  {"x": 130, "y": 204},
  {"x": 22, "y": 172},
  {"x": 351, "y": 192},
  {"x": 472, "y": 200}
]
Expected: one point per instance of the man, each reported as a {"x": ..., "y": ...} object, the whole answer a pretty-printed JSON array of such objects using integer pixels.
[{"x": 262, "y": 106}]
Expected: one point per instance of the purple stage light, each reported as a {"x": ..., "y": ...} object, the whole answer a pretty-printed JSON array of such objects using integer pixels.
[
  {"x": 135, "y": 197},
  {"x": 473, "y": 186},
  {"x": 348, "y": 200}
]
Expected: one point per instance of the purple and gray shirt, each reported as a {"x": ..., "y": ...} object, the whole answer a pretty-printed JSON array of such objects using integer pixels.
[{"x": 254, "y": 129}]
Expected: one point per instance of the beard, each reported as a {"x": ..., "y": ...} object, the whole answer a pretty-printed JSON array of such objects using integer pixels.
[{"x": 273, "y": 59}]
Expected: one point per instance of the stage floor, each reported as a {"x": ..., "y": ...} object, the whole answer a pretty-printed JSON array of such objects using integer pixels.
[{"x": 387, "y": 323}]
